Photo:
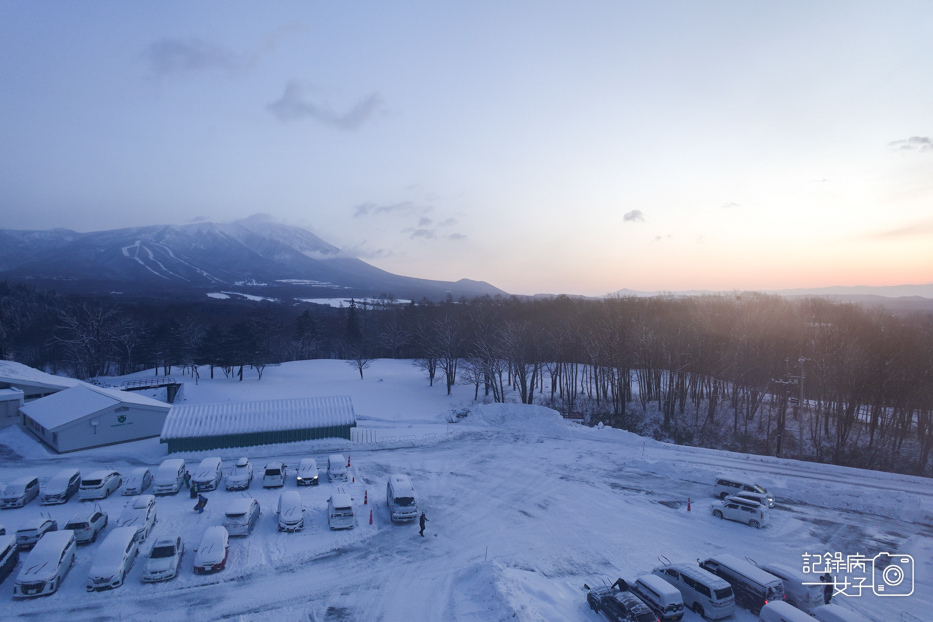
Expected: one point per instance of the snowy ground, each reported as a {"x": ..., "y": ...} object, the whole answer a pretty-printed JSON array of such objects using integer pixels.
[{"x": 523, "y": 508}]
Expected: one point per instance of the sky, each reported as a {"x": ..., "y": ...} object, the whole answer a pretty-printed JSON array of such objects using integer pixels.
[{"x": 543, "y": 147}]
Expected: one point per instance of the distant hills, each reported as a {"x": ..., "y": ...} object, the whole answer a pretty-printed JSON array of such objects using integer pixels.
[{"x": 251, "y": 258}]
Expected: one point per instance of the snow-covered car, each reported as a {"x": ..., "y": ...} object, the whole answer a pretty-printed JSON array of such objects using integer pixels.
[
  {"x": 208, "y": 474},
  {"x": 99, "y": 484},
  {"x": 19, "y": 492},
  {"x": 113, "y": 559},
  {"x": 169, "y": 477},
  {"x": 340, "y": 511},
  {"x": 400, "y": 498},
  {"x": 307, "y": 472},
  {"x": 799, "y": 590},
  {"x": 336, "y": 468},
  {"x": 618, "y": 605},
  {"x": 241, "y": 476},
  {"x": 87, "y": 524},
  {"x": 61, "y": 487},
  {"x": 741, "y": 510},
  {"x": 164, "y": 560},
  {"x": 728, "y": 485},
  {"x": 137, "y": 481},
  {"x": 291, "y": 511},
  {"x": 273, "y": 476},
  {"x": 9, "y": 555},
  {"x": 32, "y": 530},
  {"x": 140, "y": 513},
  {"x": 46, "y": 565},
  {"x": 241, "y": 516},
  {"x": 211, "y": 555}
]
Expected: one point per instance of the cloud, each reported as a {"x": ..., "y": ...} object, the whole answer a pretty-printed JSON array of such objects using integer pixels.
[
  {"x": 730, "y": 205},
  {"x": 425, "y": 221},
  {"x": 405, "y": 208},
  {"x": 456, "y": 236},
  {"x": 170, "y": 56},
  {"x": 661, "y": 238},
  {"x": 914, "y": 143},
  {"x": 295, "y": 104},
  {"x": 634, "y": 216},
  {"x": 916, "y": 229}
]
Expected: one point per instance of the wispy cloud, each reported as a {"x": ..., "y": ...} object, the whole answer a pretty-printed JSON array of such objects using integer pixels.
[
  {"x": 730, "y": 205},
  {"x": 405, "y": 208},
  {"x": 634, "y": 216},
  {"x": 914, "y": 143},
  {"x": 170, "y": 57},
  {"x": 296, "y": 104},
  {"x": 923, "y": 228}
]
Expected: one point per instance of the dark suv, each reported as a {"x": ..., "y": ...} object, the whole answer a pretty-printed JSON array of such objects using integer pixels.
[{"x": 618, "y": 605}]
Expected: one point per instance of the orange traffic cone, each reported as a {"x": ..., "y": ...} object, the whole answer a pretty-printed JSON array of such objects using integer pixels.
[
  {"x": 688, "y": 504},
  {"x": 348, "y": 461},
  {"x": 365, "y": 497},
  {"x": 370, "y": 517}
]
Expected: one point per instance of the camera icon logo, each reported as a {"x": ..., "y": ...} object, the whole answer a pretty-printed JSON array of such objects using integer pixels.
[{"x": 892, "y": 574}]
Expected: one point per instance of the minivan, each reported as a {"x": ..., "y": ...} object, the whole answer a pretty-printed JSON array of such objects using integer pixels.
[
  {"x": 727, "y": 485},
  {"x": 799, "y": 590},
  {"x": 661, "y": 597},
  {"x": 241, "y": 516},
  {"x": 779, "y": 611},
  {"x": 741, "y": 510},
  {"x": 706, "y": 594},
  {"x": 20, "y": 492},
  {"x": 99, "y": 484},
  {"x": 46, "y": 565},
  {"x": 754, "y": 588},
  {"x": 62, "y": 487},
  {"x": 9, "y": 555},
  {"x": 169, "y": 477},
  {"x": 336, "y": 468},
  {"x": 207, "y": 475},
  {"x": 400, "y": 498},
  {"x": 273, "y": 476},
  {"x": 340, "y": 511},
  {"x": 137, "y": 481},
  {"x": 291, "y": 511},
  {"x": 113, "y": 560}
]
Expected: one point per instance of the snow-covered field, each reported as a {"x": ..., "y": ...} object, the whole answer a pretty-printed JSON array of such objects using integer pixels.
[{"x": 523, "y": 508}]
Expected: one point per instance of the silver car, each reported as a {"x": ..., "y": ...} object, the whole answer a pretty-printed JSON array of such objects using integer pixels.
[{"x": 164, "y": 560}]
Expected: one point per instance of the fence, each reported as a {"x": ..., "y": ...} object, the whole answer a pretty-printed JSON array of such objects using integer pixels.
[{"x": 364, "y": 436}]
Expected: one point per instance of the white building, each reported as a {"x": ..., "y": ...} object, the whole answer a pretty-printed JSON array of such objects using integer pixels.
[
  {"x": 10, "y": 401},
  {"x": 86, "y": 416},
  {"x": 33, "y": 383}
]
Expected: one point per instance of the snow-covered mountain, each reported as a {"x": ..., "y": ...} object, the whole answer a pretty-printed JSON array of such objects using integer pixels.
[{"x": 247, "y": 256}]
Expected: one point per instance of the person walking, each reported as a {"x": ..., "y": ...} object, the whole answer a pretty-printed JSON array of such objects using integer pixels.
[
  {"x": 828, "y": 585},
  {"x": 194, "y": 490},
  {"x": 422, "y": 521},
  {"x": 187, "y": 479},
  {"x": 202, "y": 501}
]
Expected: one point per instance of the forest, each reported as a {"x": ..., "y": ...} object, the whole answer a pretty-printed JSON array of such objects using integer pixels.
[{"x": 803, "y": 378}]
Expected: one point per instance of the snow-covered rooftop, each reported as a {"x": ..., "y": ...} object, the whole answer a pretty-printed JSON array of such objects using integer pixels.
[
  {"x": 66, "y": 406},
  {"x": 263, "y": 416},
  {"x": 15, "y": 373}
]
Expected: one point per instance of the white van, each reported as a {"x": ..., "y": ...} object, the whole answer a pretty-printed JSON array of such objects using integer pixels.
[
  {"x": 140, "y": 514},
  {"x": 207, "y": 475},
  {"x": 753, "y": 587},
  {"x": 340, "y": 511},
  {"x": 661, "y": 597},
  {"x": 400, "y": 498},
  {"x": 336, "y": 468},
  {"x": 273, "y": 476},
  {"x": 835, "y": 613},
  {"x": 779, "y": 611},
  {"x": 46, "y": 565},
  {"x": 9, "y": 555},
  {"x": 706, "y": 594},
  {"x": 746, "y": 511},
  {"x": 63, "y": 486},
  {"x": 99, "y": 484},
  {"x": 169, "y": 477},
  {"x": 113, "y": 560},
  {"x": 20, "y": 492},
  {"x": 798, "y": 588},
  {"x": 728, "y": 485},
  {"x": 291, "y": 511}
]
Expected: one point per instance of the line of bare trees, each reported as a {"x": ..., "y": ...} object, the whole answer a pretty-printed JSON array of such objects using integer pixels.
[{"x": 802, "y": 378}]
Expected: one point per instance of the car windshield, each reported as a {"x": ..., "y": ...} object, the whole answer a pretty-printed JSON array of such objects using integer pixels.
[
  {"x": 235, "y": 514},
  {"x": 90, "y": 482},
  {"x": 404, "y": 501},
  {"x": 725, "y": 592},
  {"x": 159, "y": 552},
  {"x": 76, "y": 526},
  {"x": 759, "y": 489},
  {"x": 273, "y": 472}
]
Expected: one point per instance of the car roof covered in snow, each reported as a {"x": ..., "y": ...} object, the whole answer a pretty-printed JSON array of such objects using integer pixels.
[
  {"x": 112, "y": 550},
  {"x": 42, "y": 562},
  {"x": 240, "y": 505},
  {"x": 342, "y": 500},
  {"x": 211, "y": 548}
]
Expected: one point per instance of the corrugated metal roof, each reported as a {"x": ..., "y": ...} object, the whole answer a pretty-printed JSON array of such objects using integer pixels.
[{"x": 229, "y": 418}]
